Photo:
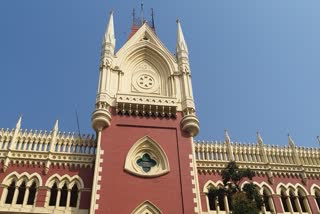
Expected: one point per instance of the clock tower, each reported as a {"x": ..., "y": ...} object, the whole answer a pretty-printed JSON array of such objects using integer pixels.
[{"x": 145, "y": 122}]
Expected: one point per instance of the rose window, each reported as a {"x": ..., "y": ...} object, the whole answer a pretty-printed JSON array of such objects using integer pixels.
[
  {"x": 146, "y": 162},
  {"x": 145, "y": 81}
]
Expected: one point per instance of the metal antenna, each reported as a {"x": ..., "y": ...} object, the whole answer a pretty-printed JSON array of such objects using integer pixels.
[
  {"x": 78, "y": 124},
  {"x": 152, "y": 19},
  {"x": 142, "y": 13}
]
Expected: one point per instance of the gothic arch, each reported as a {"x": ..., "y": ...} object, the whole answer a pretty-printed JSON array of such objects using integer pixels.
[
  {"x": 211, "y": 183},
  {"x": 136, "y": 155},
  {"x": 146, "y": 208},
  {"x": 19, "y": 178},
  {"x": 313, "y": 189}
]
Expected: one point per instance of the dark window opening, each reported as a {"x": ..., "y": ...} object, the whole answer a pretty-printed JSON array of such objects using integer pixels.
[
  {"x": 10, "y": 194},
  {"x": 22, "y": 192},
  {"x": 301, "y": 201},
  {"x": 266, "y": 200},
  {"x": 284, "y": 202},
  {"x": 74, "y": 196},
  {"x": 318, "y": 199},
  {"x": 53, "y": 195},
  {"x": 32, "y": 194},
  {"x": 63, "y": 196},
  {"x": 221, "y": 202},
  {"x": 211, "y": 199},
  {"x": 293, "y": 204}
]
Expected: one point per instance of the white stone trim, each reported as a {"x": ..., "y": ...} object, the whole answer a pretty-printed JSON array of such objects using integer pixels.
[
  {"x": 146, "y": 207},
  {"x": 147, "y": 145}
]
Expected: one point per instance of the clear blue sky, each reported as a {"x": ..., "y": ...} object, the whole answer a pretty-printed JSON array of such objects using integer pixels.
[{"x": 255, "y": 64}]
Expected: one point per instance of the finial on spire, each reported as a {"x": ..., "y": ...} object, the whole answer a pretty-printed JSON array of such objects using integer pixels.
[
  {"x": 18, "y": 125},
  {"x": 259, "y": 138},
  {"x": 318, "y": 138},
  {"x": 291, "y": 142},
  {"x": 142, "y": 13},
  {"x": 227, "y": 138},
  {"x": 56, "y": 124},
  {"x": 181, "y": 45},
  {"x": 109, "y": 36}
]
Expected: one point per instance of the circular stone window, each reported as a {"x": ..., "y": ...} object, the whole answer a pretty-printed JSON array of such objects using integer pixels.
[{"x": 145, "y": 81}]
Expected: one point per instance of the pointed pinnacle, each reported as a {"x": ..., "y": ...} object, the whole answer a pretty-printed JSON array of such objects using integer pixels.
[
  {"x": 18, "y": 125},
  {"x": 56, "y": 125},
  {"x": 109, "y": 34},
  {"x": 291, "y": 142},
  {"x": 181, "y": 43},
  {"x": 259, "y": 138},
  {"x": 227, "y": 138}
]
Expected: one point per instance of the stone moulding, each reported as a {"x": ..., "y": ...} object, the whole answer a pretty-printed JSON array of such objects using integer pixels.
[{"x": 147, "y": 145}]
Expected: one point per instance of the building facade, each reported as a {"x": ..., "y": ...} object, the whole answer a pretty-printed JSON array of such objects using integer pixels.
[{"x": 143, "y": 158}]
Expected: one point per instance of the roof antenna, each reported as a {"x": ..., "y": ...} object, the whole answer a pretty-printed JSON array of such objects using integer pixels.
[
  {"x": 133, "y": 16},
  {"x": 78, "y": 124},
  {"x": 142, "y": 13},
  {"x": 152, "y": 19}
]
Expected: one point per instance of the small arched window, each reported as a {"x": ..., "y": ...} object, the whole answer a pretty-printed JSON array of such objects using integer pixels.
[
  {"x": 22, "y": 191},
  {"x": 53, "y": 195},
  {"x": 211, "y": 198},
  {"x": 74, "y": 196},
  {"x": 10, "y": 193},
  {"x": 293, "y": 201},
  {"x": 266, "y": 200},
  {"x": 317, "y": 194},
  {"x": 32, "y": 193},
  {"x": 302, "y": 201},
  {"x": 284, "y": 201},
  {"x": 63, "y": 196}
]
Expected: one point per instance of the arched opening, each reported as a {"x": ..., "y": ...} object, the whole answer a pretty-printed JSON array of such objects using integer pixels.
[
  {"x": 284, "y": 201},
  {"x": 293, "y": 202},
  {"x": 63, "y": 196},
  {"x": 317, "y": 195},
  {"x": 211, "y": 198},
  {"x": 10, "y": 193},
  {"x": 302, "y": 201},
  {"x": 74, "y": 196},
  {"x": 267, "y": 200},
  {"x": 53, "y": 195},
  {"x": 22, "y": 191},
  {"x": 32, "y": 193}
]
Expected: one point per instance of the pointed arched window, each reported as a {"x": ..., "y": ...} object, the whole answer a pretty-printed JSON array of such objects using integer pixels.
[
  {"x": 303, "y": 201},
  {"x": 53, "y": 195},
  {"x": 74, "y": 196},
  {"x": 63, "y": 196},
  {"x": 32, "y": 193},
  {"x": 317, "y": 194},
  {"x": 293, "y": 201},
  {"x": 266, "y": 200},
  {"x": 284, "y": 201},
  {"x": 10, "y": 193},
  {"x": 22, "y": 191},
  {"x": 211, "y": 198}
]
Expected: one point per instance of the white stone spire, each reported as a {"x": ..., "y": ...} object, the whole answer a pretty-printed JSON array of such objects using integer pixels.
[
  {"x": 181, "y": 46},
  {"x": 291, "y": 142},
  {"x": 259, "y": 139},
  {"x": 109, "y": 37},
  {"x": 18, "y": 125},
  {"x": 227, "y": 138},
  {"x": 56, "y": 125}
]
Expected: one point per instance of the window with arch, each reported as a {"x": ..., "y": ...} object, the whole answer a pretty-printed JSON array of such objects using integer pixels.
[
  {"x": 216, "y": 199},
  {"x": 64, "y": 192},
  {"x": 317, "y": 197},
  {"x": 284, "y": 200},
  {"x": 293, "y": 201},
  {"x": 267, "y": 200},
  {"x": 20, "y": 189},
  {"x": 146, "y": 158}
]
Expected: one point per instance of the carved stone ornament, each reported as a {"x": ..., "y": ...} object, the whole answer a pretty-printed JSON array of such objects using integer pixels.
[{"x": 146, "y": 158}]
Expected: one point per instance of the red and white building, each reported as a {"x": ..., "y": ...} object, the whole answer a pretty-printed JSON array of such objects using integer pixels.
[{"x": 143, "y": 158}]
